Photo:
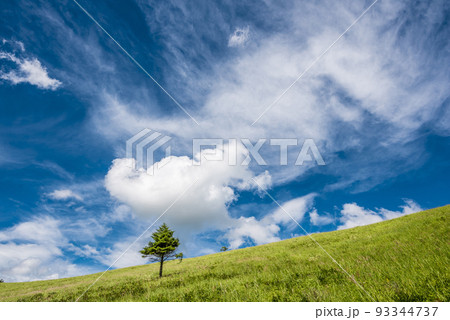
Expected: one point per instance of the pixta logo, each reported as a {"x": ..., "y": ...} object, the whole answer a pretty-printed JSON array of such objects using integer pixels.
[
  {"x": 147, "y": 145},
  {"x": 308, "y": 151},
  {"x": 143, "y": 147}
]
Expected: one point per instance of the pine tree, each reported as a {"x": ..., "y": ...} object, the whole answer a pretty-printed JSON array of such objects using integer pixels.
[
  {"x": 162, "y": 248},
  {"x": 179, "y": 256}
]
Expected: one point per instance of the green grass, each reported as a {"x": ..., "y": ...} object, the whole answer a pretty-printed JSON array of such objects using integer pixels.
[{"x": 405, "y": 259}]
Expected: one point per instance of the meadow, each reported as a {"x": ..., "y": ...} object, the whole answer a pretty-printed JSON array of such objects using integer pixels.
[{"x": 404, "y": 259}]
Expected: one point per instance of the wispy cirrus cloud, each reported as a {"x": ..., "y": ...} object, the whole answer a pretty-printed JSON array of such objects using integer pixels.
[
  {"x": 25, "y": 69},
  {"x": 64, "y": 194},
  {"x": 369, "y": 89},
  {"x": 239, "y": 37}
]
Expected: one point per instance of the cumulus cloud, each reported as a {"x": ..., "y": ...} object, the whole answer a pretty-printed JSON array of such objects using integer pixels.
[
  {"x": 320, "y": 220},
  {"x": 26, "y": 70},
  {"x": 64, "y": 194},
  {"x": 209, "y": 187},
  {"x": 354, "y": 215},
  {"x": 28, "y": 262},
  {"x": 239, "y": 37},
  {"x": 32, "y": 250},
  {"x": 408, "y": 208},
  {"x": 37, "y": 249},
  {"x": 259, "y": 232},
  {"x": 266, "y": 229}
]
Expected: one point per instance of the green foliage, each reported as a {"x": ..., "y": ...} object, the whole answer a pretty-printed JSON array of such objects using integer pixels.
[
  {"x": 162, "y": 248},
  {"x": 179, "y": 256},
  {"x": 224, "y": 248},
  {"x": 1, "y": 280},
  {"x": 404, "y": 259},
  {"x": 163, "y": 245}
]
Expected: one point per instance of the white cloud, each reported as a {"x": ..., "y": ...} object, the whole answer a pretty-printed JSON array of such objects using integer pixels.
[
  {"x": 408, "y": 208},
  {"x": 28, "y": 70},
  {"x": 295, "y": 208},
  {"x": 28, "y": 262},
  {"x": 121, "y": 213},
  {"x": 15, "y": 44},
  {"x": 373, "y": 75},
  {"x": 203, "y": 206},
  {"x": 64, "y": 194},
  {"x": 261, "y": 182},
  {"x": 320, "y": 220},
  {"x": 32, "y": 72},
  {"x": 32, "y": 250},
  {"x": 42, "y": 230},
  {"x": 239, "y": 37},
  {"x": 354, "y": 215},
  {"x": 86, "y": 229},
  {"x": 259, "y": 231},
  {"x": 131, "y": 257},
  {"x": 37, "y": 249},
  {"x": 84, "y": 251},
  {"x": 361, "y": 95},
  {"x": 266, "y": 229}
]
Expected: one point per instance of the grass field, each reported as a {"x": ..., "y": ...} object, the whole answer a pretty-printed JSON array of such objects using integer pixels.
[{"x": 405, "y": 259}]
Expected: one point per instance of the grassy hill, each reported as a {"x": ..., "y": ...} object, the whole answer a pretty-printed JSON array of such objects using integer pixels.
[{"x": 405, "y": 259}]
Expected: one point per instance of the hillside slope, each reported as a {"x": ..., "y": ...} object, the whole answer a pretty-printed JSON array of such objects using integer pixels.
[{"x": 405, "y": 259}]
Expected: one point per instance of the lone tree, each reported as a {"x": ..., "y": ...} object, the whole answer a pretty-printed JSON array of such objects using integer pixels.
[
  {"x": 223, "y": 248},
  {"x": 179, "y": 256},
  {"x": 162, "y": 248}
]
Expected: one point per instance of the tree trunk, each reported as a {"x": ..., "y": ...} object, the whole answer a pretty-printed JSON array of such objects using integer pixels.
[{"x": 161, "y": 267}]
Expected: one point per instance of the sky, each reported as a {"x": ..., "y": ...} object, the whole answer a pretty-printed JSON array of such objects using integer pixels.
[{"x": 374, "y": 99}]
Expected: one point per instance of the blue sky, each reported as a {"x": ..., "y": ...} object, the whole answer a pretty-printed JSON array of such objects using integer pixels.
[{"x": 376, "y": 105}]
